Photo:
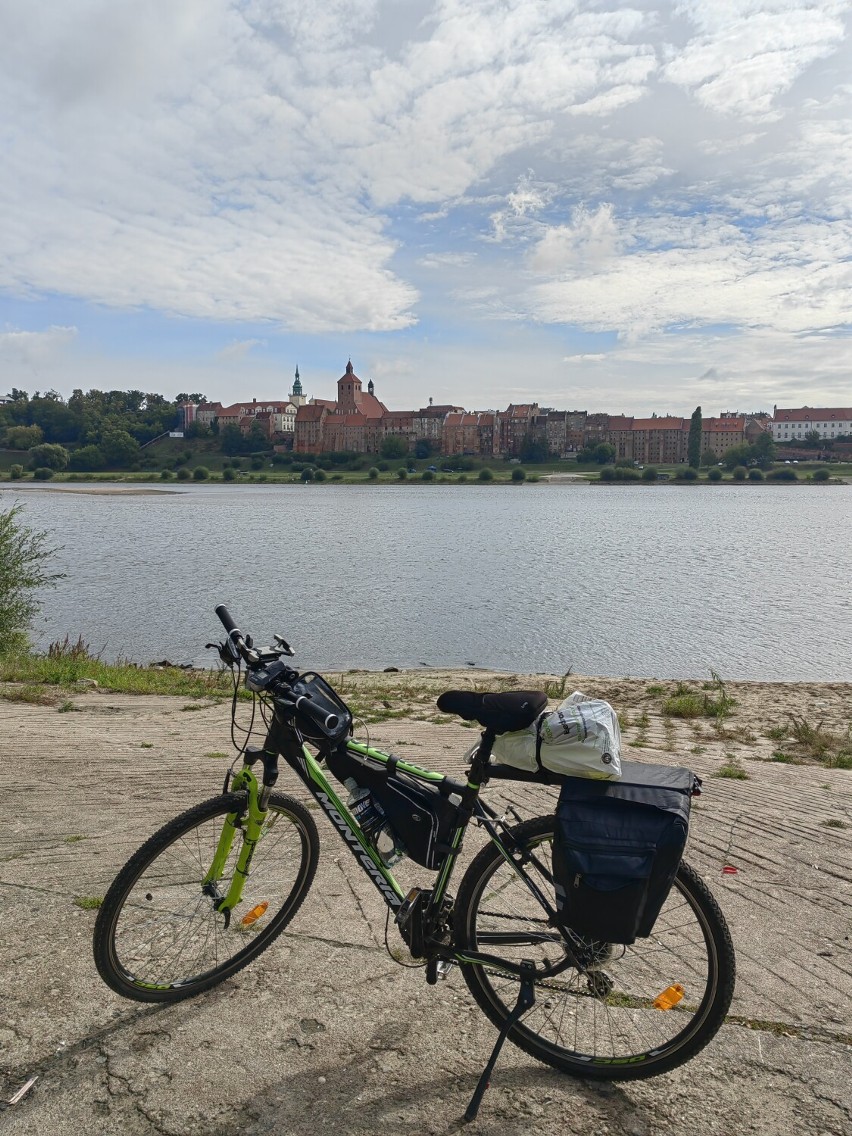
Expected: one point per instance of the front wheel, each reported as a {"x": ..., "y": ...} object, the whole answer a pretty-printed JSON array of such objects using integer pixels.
[
  {"x": 600, "y": 1021},
  {"x": 158, "y": 935}
]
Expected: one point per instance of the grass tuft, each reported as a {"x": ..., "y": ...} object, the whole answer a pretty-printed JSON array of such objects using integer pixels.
[
  {"x": 731, "y": 769},
  {"x": 88, "y": 902}
]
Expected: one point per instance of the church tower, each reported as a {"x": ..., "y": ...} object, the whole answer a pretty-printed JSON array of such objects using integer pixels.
[
  {"x": 296, "y": 395},
  {"x": 348, "y": 390}
]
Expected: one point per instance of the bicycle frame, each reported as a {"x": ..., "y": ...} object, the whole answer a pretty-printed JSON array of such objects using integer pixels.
[{"x": 283, "y": 739}]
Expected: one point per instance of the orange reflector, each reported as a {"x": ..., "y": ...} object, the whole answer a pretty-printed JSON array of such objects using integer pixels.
[
  {"x": 254, "y": 914},
  {"x": 669, "y": 997}
]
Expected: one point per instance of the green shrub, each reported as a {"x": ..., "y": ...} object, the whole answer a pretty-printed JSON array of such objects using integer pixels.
[
  {"x": 16, "y": 472},
  {"x": 427, "y": 475},
  {"x": 43, "y": 473},
  {"x": 307, "y": 474},
  {"x": 373, "y": 473},
  {"x": 649, "y": 473},
  {"x": 166, "y": 475},
  {"x": 740, "y": 473},
  {"x": 608, "y": 473},
  {"x": 87, "y": 458},
  {"x": 228, "y": 474},
  {"x": 687, "y": 474},
  {"x": 755, "y": 475},
  {"x": 518, "y": 474},
  {"x": 382, "y": 467},
  {"x": 200, "y": 473},
  {"x": 463, "y": 477},
  {"x": 337, "y": 477},
  {"x": 821, "y": 474},
  {"x": 49, "y": 455},
  {"x": 320, "y": 475},
  {"x": 485, "y": 474},
  {"x": 402, "y": 474},
  {"x": 183, "y": 474},
  {"x": 257, "y": 463},
  {"x": 785, "y": 473},
  {"x": 714, "y": 474},
  {"x": 689, "y": 704}
]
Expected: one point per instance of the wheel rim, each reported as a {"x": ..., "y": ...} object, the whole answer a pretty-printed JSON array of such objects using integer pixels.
[
  {"x": 606, "y": 1016},
  {"x": 167, "y": 932}
]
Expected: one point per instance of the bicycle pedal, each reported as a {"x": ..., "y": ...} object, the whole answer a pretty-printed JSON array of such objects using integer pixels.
[{"x": 443, "y": 968}]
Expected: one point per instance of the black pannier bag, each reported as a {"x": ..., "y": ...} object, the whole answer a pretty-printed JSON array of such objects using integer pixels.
[
  {"x": 617, "y": 848},
  {"x": 420, "y": 815}
]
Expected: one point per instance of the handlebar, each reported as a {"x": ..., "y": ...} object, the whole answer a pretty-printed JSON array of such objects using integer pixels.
[{"x": 298, "y": 703}]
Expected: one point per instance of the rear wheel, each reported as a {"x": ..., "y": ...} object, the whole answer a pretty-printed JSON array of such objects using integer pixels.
[
  {"x": 158, "y": 935},
  {"x": 599, "y": 1021}
]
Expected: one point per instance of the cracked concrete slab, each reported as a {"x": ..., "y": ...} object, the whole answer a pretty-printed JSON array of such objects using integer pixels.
[{"x": 325, "y": 1032}]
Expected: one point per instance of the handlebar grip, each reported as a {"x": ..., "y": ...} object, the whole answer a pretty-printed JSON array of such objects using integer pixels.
[
  {"x": 225, "y": 617},
  {"x": 324, "y": 721}
]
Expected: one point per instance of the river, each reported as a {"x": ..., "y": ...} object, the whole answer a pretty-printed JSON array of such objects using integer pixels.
[{"x": 662, "y": 581}]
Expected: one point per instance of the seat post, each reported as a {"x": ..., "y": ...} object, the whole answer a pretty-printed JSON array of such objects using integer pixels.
[{"x": 482, "y": 758}]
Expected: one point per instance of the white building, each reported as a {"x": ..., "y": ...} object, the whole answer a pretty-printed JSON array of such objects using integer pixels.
[{"x": 794, "y": 425}]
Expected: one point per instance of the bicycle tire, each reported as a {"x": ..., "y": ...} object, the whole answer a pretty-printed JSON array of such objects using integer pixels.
[
  {"x": 158, "y": 937},
  {"x": 588, "y": 1023}
]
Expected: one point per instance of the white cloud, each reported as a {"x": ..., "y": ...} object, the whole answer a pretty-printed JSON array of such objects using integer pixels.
[
  {"x": 238, "y": 348},
  {"x": 32, "y": 349},
  {"x": 588, "y": 243}
]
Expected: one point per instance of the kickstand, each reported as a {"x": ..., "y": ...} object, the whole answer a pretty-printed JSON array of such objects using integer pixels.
[{"x": 526, "y": 1000}]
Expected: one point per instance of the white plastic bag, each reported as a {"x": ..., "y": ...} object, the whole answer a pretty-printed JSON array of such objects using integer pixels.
[{"x": 579, "y": 739}]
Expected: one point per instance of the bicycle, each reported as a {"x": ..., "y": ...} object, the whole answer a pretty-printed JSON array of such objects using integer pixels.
[{"x": 169, "y": 926}]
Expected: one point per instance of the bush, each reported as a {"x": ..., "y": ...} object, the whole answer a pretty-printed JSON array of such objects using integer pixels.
[
  {"x": 228, "y": 474},
  {"x": 519, "y": 474},
  {"x": 624, "y": 463},
  {"x": 183, "y": 474},
  {"x": 427, "y": 475},
  {"x": 320, "y": 475},
  {"x": 402, "y": 474},
  {"x": 16, "y": 472},
  {"x": 714, "y": 474},
  {"x": 382, "y": 466},
  {"x": 818, "y": 475},
  {"x": 257, "y": 463},
  {"x": 166, "y": 475},
  {"x": 485, "y": 474},
  {"x": 687, "y": 474},
  {"x": 49, "y": 456},
  {"x": 740, "y": 473},
  {"x": 307, "y": 474},
  {"x": 463, "y": 477},
  {"x": 608, "y": 473},
  {"x": 24, "y": 552},
  {"x": 649, "y": 473},
  {"x": 200, "y": 473},
  {"x": 87, "y": 458},
  {"x": 373, "y": 473},
  {"x": 43, "y": 473},
  {"x": 337, "y": 477},
  {"x": 755, "y": 475},
  {"x": 785, "y": 473},
  {"x": 297, "y": 467}
]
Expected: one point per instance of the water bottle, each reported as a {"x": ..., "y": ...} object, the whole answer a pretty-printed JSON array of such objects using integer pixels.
[{"x": 371, "y": 817}]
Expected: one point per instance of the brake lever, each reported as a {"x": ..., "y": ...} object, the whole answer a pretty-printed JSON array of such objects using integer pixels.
[{"x": 226, "y": 652}]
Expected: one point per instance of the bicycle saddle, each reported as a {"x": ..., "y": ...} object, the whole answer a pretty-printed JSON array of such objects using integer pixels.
[{"x": 502, "y": 713}]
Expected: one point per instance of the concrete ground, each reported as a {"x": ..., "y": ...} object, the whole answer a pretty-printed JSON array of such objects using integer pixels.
[{"x": 325, "y": 1032}]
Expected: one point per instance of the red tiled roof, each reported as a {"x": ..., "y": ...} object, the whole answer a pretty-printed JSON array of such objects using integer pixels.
[
  {"x": 454, "y": 419},
  {"x": 813, "y": 414},
  {"x": 620, "y": 422},
  {"x": 310, "y": 412},
  {"x": 658, "y": 423},
  {"x": 722, "y": 425}
]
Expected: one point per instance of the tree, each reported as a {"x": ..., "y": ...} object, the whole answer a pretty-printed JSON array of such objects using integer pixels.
[
  {"x": 394, "y": 447},
  {"x": 708, "y": 458},
  {"x": 118, "y": 447},
  {"x": 23, "y": 437},
  {"x": 424, "y": 448},
  {"x": 602, "y": 453},
  {"x": 737, "y": 455},
  {"x": 533, "y": 449},
  {"x": 87, "y": 458},
  {"x": 49, "y": 456},
  {"x": 693, "y": 444},
  {"x": 763, "y": 451},
  {"x": 24, "y": 553}
]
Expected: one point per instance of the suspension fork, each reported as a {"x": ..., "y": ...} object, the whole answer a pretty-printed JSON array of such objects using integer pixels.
[{"x": 249, "y": 822}]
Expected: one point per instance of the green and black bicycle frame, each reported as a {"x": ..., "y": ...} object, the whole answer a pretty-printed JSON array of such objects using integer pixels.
[{"x": 421, "y": 914}]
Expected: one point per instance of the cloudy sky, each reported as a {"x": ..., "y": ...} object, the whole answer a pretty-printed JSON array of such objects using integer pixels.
[{"x": 595, "y": 205}]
